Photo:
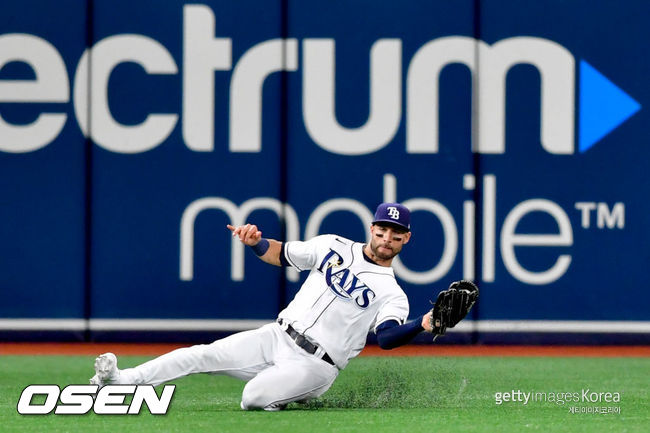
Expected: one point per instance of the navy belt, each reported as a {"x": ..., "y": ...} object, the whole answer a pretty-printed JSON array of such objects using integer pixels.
[{"x": 305, "y": 344}]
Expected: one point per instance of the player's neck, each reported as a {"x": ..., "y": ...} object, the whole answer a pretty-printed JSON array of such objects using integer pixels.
[{"x": 367, "y": 251}]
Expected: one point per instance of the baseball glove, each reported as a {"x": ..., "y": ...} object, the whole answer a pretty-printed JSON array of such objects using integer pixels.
[{"x": 452, "y": 306}]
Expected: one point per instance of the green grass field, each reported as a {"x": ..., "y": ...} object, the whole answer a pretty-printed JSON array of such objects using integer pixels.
[{"x": 431, "y": 394}]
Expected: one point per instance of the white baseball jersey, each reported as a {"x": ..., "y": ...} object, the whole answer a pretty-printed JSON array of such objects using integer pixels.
[{"x": 344, "y": 297}]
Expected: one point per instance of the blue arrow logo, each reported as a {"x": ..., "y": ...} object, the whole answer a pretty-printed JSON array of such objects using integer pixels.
[{"x": 603, "y": 106}]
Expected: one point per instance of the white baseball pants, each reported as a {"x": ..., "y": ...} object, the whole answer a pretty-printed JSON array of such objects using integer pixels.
[{"x": 277, "y": 370}]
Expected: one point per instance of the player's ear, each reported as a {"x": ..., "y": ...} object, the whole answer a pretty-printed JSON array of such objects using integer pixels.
[{"x": 407, "y": 237}]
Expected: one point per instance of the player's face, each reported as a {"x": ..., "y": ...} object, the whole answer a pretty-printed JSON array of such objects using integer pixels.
[{"x": 387, "y": 242}]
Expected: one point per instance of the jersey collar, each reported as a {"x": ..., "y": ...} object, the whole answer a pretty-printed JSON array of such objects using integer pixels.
[{"x": 388, "y": 269}]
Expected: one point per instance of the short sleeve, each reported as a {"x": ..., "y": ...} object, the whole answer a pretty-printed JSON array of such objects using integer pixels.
[
  {"x": 396, "y": 308},
  {"x": 302, "y": 255}
]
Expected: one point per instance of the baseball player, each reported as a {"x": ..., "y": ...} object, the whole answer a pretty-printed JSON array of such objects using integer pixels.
[{"x": 351, "y": 290}]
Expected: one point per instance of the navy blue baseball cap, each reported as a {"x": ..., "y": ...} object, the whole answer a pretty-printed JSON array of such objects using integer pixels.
[{"x": 395, "y": 214}]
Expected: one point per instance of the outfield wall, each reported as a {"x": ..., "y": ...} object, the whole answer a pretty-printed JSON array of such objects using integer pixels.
[{"x": 131, "y": 133}]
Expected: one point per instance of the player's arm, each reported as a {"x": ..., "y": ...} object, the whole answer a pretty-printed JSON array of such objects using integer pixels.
[
  {"x": 391, "y": 334},
  {"x": 268, "y": 250}
]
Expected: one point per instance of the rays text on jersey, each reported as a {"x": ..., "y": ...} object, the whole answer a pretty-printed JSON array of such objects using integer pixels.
[{"x": 343, "y": 283}]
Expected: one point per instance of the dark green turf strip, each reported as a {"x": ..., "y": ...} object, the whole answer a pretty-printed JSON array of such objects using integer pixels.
[{"x": 371, "y": 395}]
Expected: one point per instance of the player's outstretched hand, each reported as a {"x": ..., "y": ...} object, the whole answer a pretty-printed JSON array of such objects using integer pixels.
[
  {"x": 248, "y": 234},
  {"x": 426, "y": 321}
]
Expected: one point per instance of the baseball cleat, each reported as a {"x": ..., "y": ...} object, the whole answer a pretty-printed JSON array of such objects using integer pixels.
[
  {"x": 106, "y": 370},
  {"x": 270, "y": 408},
  {"x": 275, "y": 407}
]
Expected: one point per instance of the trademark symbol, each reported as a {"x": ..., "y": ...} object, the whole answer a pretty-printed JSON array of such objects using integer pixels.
[{"x": 606, "y": 217}]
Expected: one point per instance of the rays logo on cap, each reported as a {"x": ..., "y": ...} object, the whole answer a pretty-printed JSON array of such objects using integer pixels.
[{"x": 393, "y": 213}]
